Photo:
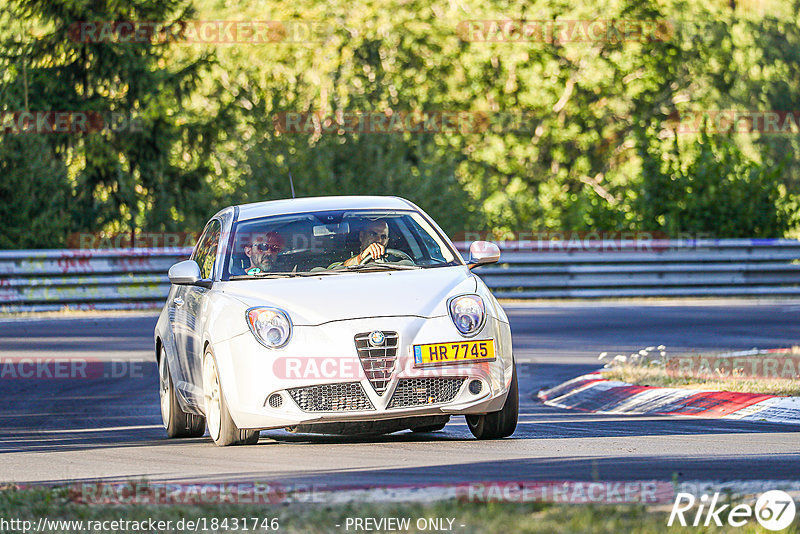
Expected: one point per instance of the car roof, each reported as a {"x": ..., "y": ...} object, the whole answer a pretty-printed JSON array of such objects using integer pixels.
[{"x": 304, "y": 205}]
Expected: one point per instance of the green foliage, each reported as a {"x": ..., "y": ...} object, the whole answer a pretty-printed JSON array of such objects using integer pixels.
[
  {"x": 361, "y": 165},
  {"x": 593, "y": 150},
  {"x": 712, "y": 189},
  {"x": 127, "y": 176},
  {"x": 34, "y": 195}
]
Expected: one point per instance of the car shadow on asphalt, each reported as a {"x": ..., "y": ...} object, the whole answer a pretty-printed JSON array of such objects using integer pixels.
[
  {"x": 611, "y": 468},
  {"x": 76, "y": 415}
]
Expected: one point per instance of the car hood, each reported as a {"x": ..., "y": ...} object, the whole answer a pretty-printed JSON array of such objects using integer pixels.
[{"x": 316, "y": 300}]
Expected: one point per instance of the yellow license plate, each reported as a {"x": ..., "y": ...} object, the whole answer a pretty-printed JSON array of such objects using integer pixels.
[{"x": 456, "y": 352}]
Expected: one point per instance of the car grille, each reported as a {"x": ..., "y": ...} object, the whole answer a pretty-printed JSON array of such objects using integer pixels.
[
  {"x": 348, "y": 397},
  {"x": 378, "y": 362},
  {"x": 423, "y": 391}
]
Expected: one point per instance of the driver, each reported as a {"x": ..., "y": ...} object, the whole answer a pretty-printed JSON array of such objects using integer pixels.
[
  {"x": 262, "y": 252},
  {"x": 373, "y": 238}
]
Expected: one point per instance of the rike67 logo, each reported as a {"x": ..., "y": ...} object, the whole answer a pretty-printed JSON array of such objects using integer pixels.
[{"x": 774, "y": 510}]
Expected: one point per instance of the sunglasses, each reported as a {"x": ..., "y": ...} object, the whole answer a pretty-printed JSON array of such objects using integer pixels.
[{"x": 263, "y": 247}]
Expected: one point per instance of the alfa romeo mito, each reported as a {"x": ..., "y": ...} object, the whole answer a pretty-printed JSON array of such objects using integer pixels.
[{"x": 333, "y": 315}]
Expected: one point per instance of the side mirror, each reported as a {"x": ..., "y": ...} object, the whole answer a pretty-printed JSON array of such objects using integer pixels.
[
  {"x": 483, "y": 253},
  {"x": 185, "y": 273}
]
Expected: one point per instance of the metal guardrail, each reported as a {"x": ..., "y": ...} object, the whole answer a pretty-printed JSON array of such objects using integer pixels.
[
  {"x": 652, "y": 268},
  {"x": 108, "y": 279},
  {"x": 45, "y": 280}
]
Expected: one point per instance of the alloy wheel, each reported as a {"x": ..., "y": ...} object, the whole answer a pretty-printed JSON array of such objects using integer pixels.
[
  {"x": 212, "y": 394},
  {"x": 165, "y": 389}
]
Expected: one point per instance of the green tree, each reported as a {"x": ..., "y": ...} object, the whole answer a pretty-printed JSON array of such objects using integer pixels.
[
  {"x": 711, "y": 188},
  {"x": 594, "y": 151},
  {"x": 151, "y": 168},
  {"x": 34, "y": 194}
]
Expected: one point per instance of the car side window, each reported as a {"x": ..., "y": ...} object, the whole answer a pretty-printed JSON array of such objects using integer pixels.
[{"x": 206, "y": 250}]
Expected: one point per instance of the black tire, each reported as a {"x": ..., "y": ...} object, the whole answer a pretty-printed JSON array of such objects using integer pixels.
[
  {"x": 429, "y": 428},
  {"x": 178, "y": 424},
  {"x": 500, "y": 424},
  {"x": 223, "y": 430}
]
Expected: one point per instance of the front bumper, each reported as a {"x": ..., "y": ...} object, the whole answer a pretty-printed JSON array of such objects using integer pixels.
[{"x": 324, "y": 358}]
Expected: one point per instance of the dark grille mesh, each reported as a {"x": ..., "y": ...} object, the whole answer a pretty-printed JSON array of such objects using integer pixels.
[
  {"x": 349, "y": 397},
  {"x": 422, "y": 391}
]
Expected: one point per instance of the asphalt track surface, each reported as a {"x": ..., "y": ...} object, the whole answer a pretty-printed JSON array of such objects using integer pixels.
[{"x": 54, "y": 431}]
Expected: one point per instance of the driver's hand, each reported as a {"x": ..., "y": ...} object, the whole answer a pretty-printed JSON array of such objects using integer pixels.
[{"x": 376, "y": 250}]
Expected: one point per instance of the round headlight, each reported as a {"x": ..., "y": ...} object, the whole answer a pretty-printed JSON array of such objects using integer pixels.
[
  {"x": 271, "y": 326},
  {"x": 467, "y": 313}
]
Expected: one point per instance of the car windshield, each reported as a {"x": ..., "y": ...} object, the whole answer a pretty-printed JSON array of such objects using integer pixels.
[{"x": 334, "y": 242}]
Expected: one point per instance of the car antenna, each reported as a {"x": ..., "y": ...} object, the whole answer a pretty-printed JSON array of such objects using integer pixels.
[{"x": 291, "y": 183}]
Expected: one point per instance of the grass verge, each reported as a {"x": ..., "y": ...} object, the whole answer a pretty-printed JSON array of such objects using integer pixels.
[
  {"x": 646, "y": 368},
  {"x": 658, "y": 377}
]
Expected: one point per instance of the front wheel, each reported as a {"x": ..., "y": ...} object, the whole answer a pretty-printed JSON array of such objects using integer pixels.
[
  {"x": 178, "y": 423},
  {"x": 223, "y": 430},
  {"x": 500, "y": 424}
]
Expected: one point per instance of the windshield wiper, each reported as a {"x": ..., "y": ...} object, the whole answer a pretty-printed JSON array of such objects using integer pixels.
[
  {"x": 367, "y": 267},
  {"x": 261, "y": 275},
  {"x": 292, "y": 274},
  {"x": 382, "y": 267}
]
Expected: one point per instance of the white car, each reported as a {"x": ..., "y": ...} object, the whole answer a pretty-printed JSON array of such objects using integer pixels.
[{"x": 344, "y": 315}]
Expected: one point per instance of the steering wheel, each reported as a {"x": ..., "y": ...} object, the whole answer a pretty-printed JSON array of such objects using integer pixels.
[{"x": 393, "y": 251}]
